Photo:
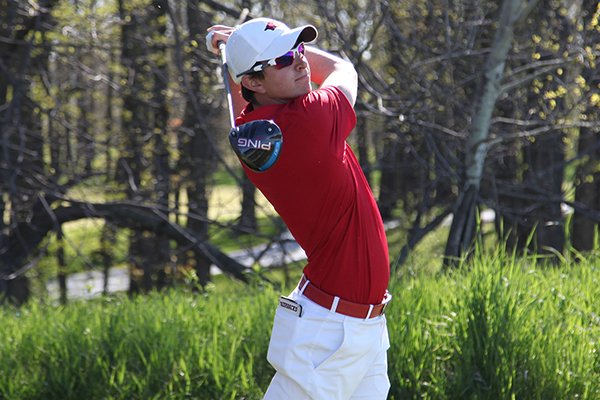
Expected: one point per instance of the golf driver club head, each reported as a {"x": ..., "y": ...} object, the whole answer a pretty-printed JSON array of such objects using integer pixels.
[{"x": 257, "y": 143}]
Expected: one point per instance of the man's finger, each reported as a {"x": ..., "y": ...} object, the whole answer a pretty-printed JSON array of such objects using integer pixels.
[{"x": 209, "y": 42}]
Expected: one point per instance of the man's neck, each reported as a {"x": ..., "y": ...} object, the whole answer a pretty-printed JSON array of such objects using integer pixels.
[{"x": 260, "y": 100}]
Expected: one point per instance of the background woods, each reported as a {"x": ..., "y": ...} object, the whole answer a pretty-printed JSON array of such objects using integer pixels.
[{"x": 112, "y": 118}]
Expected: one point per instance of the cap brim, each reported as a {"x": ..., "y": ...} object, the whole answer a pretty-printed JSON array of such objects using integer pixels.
[{"x": 287, "y": 41}]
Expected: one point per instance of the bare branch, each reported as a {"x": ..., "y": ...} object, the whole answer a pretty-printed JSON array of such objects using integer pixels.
[
  {"x": 441, "y": 128},
  {"x": 526, "y": 8}
]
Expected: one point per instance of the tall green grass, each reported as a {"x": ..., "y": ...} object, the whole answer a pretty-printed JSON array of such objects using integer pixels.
[
  {"x": 499, "y": 327},
  {"x": 162, "y": 346}
]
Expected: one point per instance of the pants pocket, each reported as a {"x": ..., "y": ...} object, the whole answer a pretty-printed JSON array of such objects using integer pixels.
[
  {"x": 341, "y": 374},
  {"x": 285, "y": 327}
]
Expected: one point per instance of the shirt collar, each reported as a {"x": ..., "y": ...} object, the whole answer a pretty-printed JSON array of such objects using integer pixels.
[{"x": 249, "y": 113}]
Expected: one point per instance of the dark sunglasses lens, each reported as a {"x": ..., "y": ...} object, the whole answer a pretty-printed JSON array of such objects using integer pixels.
[
  {"x": 288, "y": 58},
  {"x": 285, "y": 60}
]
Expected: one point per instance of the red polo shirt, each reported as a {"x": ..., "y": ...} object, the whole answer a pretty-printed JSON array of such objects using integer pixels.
[{"x": 320, "y": 191}]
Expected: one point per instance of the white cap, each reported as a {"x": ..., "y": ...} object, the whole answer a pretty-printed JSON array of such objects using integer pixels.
[{"x": 262, "y": 39}]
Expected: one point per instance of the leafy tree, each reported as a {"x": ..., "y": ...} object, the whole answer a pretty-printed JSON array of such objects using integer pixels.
[
  {"x": 114, "y": 111},
  {"x": 24, "y": 61},
  {"x": 463, "y": 228},
  {"x": 587, "y": 179}
]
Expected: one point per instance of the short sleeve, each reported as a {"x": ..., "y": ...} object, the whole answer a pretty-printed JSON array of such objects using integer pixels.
[{"x": 329, "y": 110}]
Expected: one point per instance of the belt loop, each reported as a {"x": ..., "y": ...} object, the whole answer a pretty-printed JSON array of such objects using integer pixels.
[
  {"x": 334, "y": 305},
  {"x": 370, "y": 311},
  {"x": 304, "y": 285}
]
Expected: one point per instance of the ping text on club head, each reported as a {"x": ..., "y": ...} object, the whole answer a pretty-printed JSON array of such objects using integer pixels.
[{"x": 253, "y": 144}]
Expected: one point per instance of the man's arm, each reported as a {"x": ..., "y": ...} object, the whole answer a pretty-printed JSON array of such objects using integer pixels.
[
  {"x": 221, "y": 33},
  {"x": 328, "y": 69}
]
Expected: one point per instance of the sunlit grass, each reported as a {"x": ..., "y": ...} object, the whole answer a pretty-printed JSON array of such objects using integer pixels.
[
  {"x": 499, "y": 327},
  {"x": 174, "y": 345}
]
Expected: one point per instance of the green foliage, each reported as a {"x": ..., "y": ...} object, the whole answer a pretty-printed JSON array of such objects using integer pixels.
[
  {"x": 498, "y": 328},
  {"x": 501, "y": 328},
  {"x": 81, "y": 245},
  {"x": 174, "y": 345}
]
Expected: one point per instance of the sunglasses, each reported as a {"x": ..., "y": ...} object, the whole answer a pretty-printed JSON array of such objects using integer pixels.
[{"x": 280, "y": 62}]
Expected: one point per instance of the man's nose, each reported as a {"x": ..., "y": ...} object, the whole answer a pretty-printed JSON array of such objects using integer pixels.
[{"x": 300, "y": 61}]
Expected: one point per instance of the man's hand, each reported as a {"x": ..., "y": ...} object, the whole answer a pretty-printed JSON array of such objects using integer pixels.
[{"x": 216, "y": 34}]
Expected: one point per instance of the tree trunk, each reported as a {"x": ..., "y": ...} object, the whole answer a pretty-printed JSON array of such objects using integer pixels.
[
  {"x": 464, "y": 225},
  {"x": 390, "y": 177},
  {"x": 462, "y": 230},
  {"x": 544, "y": 179},
  {"x": 160, "y": 256},
  {"x": 151, "y": 251},
  {"x": 363, "y": 141},
  {"x": 200, "y": 153},
  {"x": 62, "y": 266},
  {"x": 587, "y": 192},
  {"x": 107, "y": 239},
  {"x": 584, "y": 229},
  {"x": 21, "y": 141},
  {"x": 509, "y": 220},
  {"x": 7, "y": 24},
  {"x": 136, "y": 118},
  {"x": 247, "y": 221}
]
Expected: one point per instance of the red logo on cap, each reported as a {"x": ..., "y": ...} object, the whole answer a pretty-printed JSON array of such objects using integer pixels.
[{"x": 270, "y": 26}]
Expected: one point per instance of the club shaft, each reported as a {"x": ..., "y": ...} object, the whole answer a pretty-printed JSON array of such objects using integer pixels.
[{"x": 227, "y": 86}]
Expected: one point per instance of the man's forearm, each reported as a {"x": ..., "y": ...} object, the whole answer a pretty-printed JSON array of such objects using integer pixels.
[{"x": 329, "y": 69}]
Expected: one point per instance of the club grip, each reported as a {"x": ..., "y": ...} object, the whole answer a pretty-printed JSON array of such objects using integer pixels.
[{"x": 221, "y": 45}]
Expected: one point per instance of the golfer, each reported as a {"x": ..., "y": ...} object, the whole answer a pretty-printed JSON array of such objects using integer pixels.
[{"x": 329, "y": 338}]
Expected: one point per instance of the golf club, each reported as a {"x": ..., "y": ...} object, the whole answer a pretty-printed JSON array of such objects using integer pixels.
[{"x": 256, "y": 143}]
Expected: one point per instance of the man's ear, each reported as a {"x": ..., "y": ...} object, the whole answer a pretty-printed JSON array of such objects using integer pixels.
[{"x": 253, "y": 83}]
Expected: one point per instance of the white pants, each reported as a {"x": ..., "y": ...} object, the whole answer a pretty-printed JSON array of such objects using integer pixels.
[{"x": 324, "y": 355}]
